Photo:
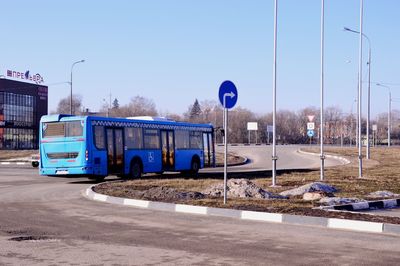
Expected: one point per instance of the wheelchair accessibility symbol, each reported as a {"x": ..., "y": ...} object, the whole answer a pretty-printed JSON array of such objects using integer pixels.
[{"x": 151, "y": 157}]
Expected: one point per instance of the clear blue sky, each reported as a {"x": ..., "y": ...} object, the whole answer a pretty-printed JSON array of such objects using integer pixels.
[{"x": 173, "y": 51}]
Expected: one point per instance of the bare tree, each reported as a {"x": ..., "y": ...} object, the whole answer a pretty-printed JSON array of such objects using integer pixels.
[
  {"x": 63, "y": 106},
  {"x": 140, "y": 106}
]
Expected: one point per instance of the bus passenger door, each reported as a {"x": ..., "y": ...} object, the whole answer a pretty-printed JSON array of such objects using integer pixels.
[
  {"x": 208, "y": 149},
  {"x": 115, "y": 150},
  {"x": 167, "y": 149}
]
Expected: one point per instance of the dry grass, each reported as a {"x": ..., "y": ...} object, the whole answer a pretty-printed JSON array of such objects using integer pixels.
[{"x": 382, "y": 172}]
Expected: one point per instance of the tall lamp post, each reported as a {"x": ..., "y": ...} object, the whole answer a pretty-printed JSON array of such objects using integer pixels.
[
  {"x": 389, "y": 110},
  {"x": 322, "y": 156},
  {"x": 369, "y": 88},
  {"x": 70, "y": 100},
  {"x": 274, "y": 157}
]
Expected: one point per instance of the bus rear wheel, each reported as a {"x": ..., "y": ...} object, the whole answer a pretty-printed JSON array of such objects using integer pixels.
[
  {"x": 195, "y": 166},
  {"x": 136, "y": 170}
]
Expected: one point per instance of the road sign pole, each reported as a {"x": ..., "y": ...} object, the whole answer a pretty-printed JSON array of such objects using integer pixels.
[
  {"x": 225, "y": 152},
  {"x": 227, "y": 97}
]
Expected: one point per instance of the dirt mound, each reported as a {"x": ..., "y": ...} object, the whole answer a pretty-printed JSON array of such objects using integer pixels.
[{"x": 240, "y": 188}]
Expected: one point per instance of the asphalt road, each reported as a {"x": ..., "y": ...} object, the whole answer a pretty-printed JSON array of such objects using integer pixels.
[
  {"x": 260, "y": 158},
  {"x": 56, "y": 225}
]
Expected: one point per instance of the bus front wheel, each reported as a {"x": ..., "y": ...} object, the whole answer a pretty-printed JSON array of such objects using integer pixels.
[{"x": 136, "y": 170}]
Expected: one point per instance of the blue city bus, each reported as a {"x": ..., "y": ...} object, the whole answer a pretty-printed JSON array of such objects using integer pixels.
[{"x": 128, "y": 147}]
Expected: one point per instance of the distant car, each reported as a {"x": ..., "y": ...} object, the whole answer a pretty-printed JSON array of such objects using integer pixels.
[{"x": 35, "y": 160}]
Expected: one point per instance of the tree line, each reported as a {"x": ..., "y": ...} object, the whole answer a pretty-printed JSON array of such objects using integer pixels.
[{"x": 340, "y": 128}]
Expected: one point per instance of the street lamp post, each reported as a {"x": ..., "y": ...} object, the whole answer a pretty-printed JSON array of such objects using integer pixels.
[
  {"x": 70, "y": 100},
  {"x": 389, "y": 110},
  {"x": 322, "y": 156},
  {"x": 369, "y": 89},
  {"x": 274, "y": 157}
]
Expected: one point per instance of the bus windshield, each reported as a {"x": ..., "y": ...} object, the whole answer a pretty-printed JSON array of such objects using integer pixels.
[{"x": 63, "y": 129}]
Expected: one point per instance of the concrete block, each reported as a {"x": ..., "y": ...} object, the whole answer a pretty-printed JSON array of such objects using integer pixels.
[
  {"x": 89, "y": 193},
  {"x": 360, "y": 206},
  {"x": 136, "y": 203},
  {"x": 115, "y": 200},
  {"x": 391, "y": 228},
  {"x": 100, "y": 197},
  {"x": 347, "y": 207},
  {"x": 376, "y": 204},
  {"x": 190, "y": 209},
  {"x": 389, "y": 203},
  {"x": 262, "y": 216},
  {"x": 162, "y": 206},
  {"x": 224, "y": 212},
  {"x": 305, "y": 220},
  {"x": 355, "y": 225}
]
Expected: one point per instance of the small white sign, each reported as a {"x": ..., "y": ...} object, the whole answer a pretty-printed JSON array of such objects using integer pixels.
[
  {"x": 310, "y": 126},
  {"x": 252, "y": 126},
  {"x": 310, "y": 118},
  {"x": 374, "y": 127},
  {"x": 270, "y": 128}
]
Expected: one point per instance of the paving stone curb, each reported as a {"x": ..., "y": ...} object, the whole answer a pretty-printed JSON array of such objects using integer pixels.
[
  {"x": 342, "y": 159},
  {"x": 353, "y": 225},
  {"x": 377, "y": 204}
]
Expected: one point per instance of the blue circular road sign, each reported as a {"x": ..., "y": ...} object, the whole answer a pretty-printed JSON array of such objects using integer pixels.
[
  {"x": 310, "y": 133},
  {"x": 228, "y": 94}
]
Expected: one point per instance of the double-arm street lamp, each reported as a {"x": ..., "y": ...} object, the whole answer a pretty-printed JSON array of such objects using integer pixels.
[
  {"x": 70, "y": 100},
  {"x": 389, "y": 110},
  {"x": 369, "y": 87}
]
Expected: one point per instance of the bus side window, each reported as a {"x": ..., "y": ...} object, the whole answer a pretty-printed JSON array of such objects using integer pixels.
[
  {"x": 196, "y": 140},
  {"x": 99, "y": 137},
  {"x": 133, "y": 138},
  {"x": 151, "y": 139},
  {"x": 182, "y": 139}
]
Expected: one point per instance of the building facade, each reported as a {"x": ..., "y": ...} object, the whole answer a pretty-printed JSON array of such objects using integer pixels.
[{"x": 21, "y": 106}]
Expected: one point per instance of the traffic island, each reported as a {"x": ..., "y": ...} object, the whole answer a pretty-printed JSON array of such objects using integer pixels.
[
  {"x": 381, "y": 176},
  {"x": 334, "y": 223}
]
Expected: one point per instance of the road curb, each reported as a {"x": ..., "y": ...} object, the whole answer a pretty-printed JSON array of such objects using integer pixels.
[
  {"x": 378, "y": 204},
  {"x": 243, "y": 162},
  {"x": 345, "y": 224},
  {"x": 342, "y": 159}
]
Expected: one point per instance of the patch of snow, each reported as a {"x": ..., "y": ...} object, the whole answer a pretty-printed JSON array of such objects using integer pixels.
[
  {"x": 339, "y": 201},
  {"x": 312, "y": 187},
  {"x": 382, "y": 194},
  {"x": 311, "y": 196}
]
